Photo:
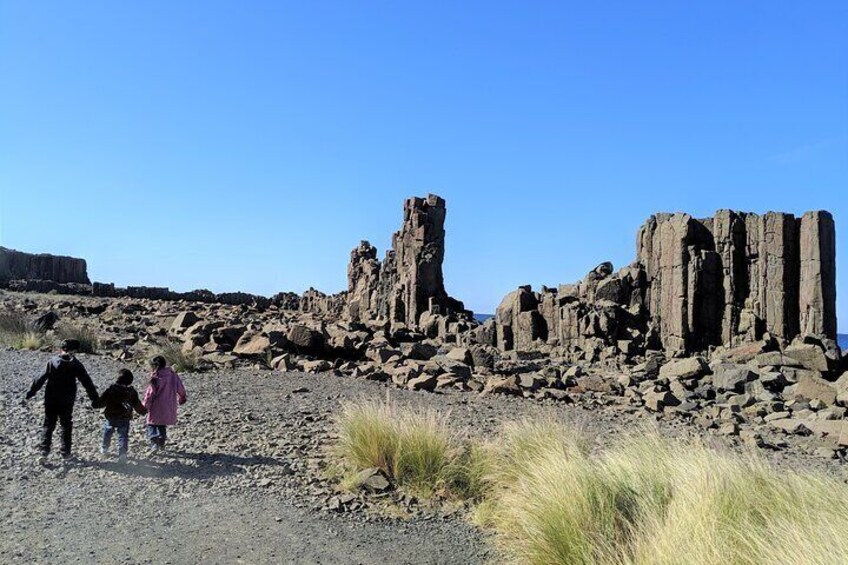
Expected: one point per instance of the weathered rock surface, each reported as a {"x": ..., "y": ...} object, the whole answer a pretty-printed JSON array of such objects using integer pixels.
[
  {"x": 409, "y": 281},
  {"x": 728, "y": 281},
  {"x": 16, "y": 265}
]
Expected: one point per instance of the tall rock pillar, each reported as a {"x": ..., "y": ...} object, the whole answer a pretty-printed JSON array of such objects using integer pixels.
[{"x": 817, "y": 294}]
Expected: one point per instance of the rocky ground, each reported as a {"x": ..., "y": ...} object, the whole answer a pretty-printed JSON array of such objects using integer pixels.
[
  {"x": 239, "y": 485},
  {"x": 245, "y": 479}
]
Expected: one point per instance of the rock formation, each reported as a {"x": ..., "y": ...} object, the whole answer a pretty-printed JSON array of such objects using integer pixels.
[
  {"x": 16, "y": 265},
  {"x": 409, "y": 281},
  {"x": 725, "y": 280}
]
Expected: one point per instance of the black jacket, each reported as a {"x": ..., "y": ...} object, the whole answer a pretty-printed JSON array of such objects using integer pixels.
[
  {"x": 61, "y": 376},
  {"x": 119, "y": 401}
]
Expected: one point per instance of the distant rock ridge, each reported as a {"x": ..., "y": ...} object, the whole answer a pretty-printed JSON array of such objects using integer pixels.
[
  {"x": 17, "y": 265},
  {"x": 695, "y": 284}
]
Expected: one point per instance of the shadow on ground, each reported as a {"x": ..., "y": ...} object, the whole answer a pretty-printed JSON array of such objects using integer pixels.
[{"x": 200, "y": 466}]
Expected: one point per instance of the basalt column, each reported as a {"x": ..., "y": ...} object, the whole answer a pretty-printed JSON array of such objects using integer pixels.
[
  {"x": 419, "y": 249},
  {"x": 28, "y": 266},
  {"x": 817, "y": 295},
  {"x": 409, "y": 280}
]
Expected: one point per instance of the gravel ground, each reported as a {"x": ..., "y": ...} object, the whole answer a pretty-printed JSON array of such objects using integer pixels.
[{"x": 242, "y": 482}]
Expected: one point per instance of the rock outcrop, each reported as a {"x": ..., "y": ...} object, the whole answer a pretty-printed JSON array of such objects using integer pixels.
[
  {"x": 409, "y": 282},
  {"x": 16, "y": 265},
  {"x": 721, "y": 281}
]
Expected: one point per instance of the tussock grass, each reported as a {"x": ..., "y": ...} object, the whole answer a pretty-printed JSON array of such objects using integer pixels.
[
  {"x": 416, "y": 449},
  {"x": 17, "y": 331},
  {"x": 31, "y": 341},
  {"x": 179, "y": 359},
  {"x": 645, "y": 500},
  {"x": 84, "y": 334},
  {"x": 649, "y": 500}
]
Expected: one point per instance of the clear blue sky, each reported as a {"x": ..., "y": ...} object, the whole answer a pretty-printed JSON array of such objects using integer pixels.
[{"x": 251, "y": 145}]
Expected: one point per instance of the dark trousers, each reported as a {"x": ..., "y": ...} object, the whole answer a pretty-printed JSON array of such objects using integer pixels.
[
  {"x": 63, "y": 413},
  {"x": 157, "y": 435},
  {"x": 122, "y": 427}
]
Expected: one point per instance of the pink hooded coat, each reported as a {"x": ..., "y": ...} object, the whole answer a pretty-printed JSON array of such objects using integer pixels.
[{"x": 161, "y": 397}]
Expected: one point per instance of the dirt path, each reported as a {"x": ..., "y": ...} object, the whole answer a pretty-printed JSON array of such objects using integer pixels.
[
  {"x": 233, "y": 491},
  {"x": 243, "y": 482}
]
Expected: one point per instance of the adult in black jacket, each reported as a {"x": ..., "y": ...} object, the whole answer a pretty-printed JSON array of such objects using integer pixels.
[{"x": 60, "y": 377}]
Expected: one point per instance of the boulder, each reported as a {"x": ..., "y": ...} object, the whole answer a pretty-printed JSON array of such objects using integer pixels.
[
  {"x": 372, "y": 480},
  {"x": 304, "y": 337},
  {"x": 184, "y": 320},
  {"x": 418, "y": 350},
  {"x": 461, "y": 354},
  {"x": 317, "y": 366},
  {"x": 502, "y": 385},
  {"x": 728, "y": 377},
  {"x": 809, "y": 356},
  {"x": 252, "y": 344},
  {"x": 684, "y": 369},
  {"x": 811, "y": 386},
  {"x": 657, "y": 400},
  {"x": 423, "y": 382},
  {"x": 442, "y": 364},
  {"x": 484, "y": 356},
  {"x": 46, "y": 321},
  {"x": 283, "y": 362}
]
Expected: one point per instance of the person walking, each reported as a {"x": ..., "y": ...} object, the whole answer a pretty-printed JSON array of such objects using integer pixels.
[
  {"x": 163, "y": 394},
  {"x": 60, "y": 392},
  {"x": 118, "y": 402}
]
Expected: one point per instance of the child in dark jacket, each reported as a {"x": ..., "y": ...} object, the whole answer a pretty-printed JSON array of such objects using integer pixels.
[
  {"x": 118, "y": 402},
  {"x": 60, "y": 377}
]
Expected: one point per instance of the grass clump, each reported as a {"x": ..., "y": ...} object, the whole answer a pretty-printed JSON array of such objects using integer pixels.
[
  {"x": 84, "y": 334},
  {"x": 18, "y": 332},
  {"x": 645, "y": 500},
  {"x": 179, "y": 359},
  {"x": 648, "y": 500},
  {"x": 414, "y": 448}
]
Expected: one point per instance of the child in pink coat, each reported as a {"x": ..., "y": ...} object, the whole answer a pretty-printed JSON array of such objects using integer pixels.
[{"x": 161, "y": 397}]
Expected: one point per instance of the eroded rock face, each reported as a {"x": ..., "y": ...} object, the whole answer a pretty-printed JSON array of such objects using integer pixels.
[
  {"x": 729, "y": 279},
  {"x": 818, "y": 274},
  {"x": 16, "y": 265},
  {"x": 722, "y": 281},
  {"x": 409, "y": 281}
]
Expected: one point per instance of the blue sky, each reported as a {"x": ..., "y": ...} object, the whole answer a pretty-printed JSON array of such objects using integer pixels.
[{"x": 251, "y": 145}]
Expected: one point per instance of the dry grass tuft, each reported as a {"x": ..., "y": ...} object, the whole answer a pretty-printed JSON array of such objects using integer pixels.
[
  {"x": 644, "y": 501},
  {"x": 178, "y": 359}
]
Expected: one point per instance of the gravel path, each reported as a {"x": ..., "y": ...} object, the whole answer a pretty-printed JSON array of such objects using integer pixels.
[
  {"x": 243, "y": 481},
  {"x": 236, "y": 488}
]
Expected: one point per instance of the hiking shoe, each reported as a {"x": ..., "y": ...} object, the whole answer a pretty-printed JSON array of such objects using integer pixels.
[
  {"x": 104, "y": 450},
  {"x": 122, "y": 458}
]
